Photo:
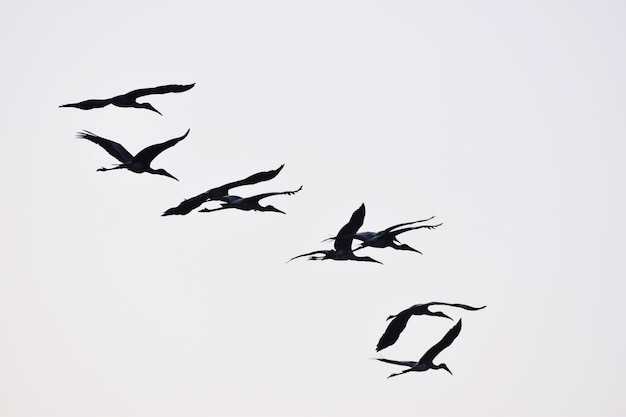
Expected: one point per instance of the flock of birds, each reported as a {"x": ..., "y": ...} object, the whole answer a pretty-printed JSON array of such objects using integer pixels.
[{"x": 342, "y": 251}]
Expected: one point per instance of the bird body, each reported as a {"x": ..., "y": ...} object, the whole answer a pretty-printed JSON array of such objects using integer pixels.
[
  {"x": 426, "y": 361},
  {"x": 400, "y": 320},
  {"x": 343, "y": 242},
  {"x": 130, "y": 99},
  {"x": 220, "y": 192},
  {"x": 249, "y": 203},
  {"x": 139, "y": 163}
]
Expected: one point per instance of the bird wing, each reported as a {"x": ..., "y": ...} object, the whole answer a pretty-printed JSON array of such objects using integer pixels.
[
  {"x": 343, "y": 241},
  {"x": 252, "y": 179},
  {"x": 113, "y": 148},
  {"x": 363, "y": 236},
  {"x": 187, "y": 205},
  {"x": 392, "y": 333},
  {"x": 410, "y": 364},
  {"x": 389, "y": 229},
  {"x": 259, "y": 197},
  {"x": 323, "y": 252},
  {"x": 466, "y": 307},
  {"x": 446, "y": 341},
  {"x": 88, "y": 104},
  {"x": 406, "y": 229},
  {"x": 146, "y": 155},
  {"x": 163, "y": 89}
]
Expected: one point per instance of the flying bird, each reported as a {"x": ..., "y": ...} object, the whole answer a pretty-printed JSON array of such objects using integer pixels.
[
  {"x": 249, "y": 203},
  {"x": 138, "y": 163},
  {"x": 426, "y": 362},
  {"x": 130, "y": 99},
  {"x": 388, "y": 237},
  {"x": 219, "y": 192},
  {"x": 343, "y": 242},
  {"x": 397, "y": 325}
]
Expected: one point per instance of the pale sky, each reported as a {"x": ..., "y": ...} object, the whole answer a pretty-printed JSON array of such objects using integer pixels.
[{"x": 503, "y": 119}]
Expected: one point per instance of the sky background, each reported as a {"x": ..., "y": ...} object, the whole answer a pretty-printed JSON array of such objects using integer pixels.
[{"x": 506, "y": 121}]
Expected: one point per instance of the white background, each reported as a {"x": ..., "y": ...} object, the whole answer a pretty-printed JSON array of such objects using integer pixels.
[{"x": 503, "y": 119}]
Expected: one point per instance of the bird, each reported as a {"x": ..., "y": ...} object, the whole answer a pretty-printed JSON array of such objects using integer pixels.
[
  {"x": 343, "y": 242},
  {"x": 130, "y": 99},
  {"x": 397, "y": 325},
  {"x": 138, "y": 163},
  {"x": 426, "y": 361},
  {"x": 388, "y": 237},
  {"x": 192, "y": 203},
  {"x": 249, "y": 203}
]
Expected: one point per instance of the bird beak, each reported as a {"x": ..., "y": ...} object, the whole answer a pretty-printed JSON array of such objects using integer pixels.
[{"x": 167, "y": 174}]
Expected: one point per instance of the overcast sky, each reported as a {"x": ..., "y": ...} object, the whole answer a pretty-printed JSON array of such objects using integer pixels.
[{"x": 503, "y": 119}]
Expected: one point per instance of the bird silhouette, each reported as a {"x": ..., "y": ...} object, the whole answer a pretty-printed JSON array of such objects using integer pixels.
[
  {"x": 217, "y": 193},
  {"x": 388, "y": 237},
  {"x": 138, "y": 163},
  {"x": 130, "y": 99},
  {"x": 426, "y": 362},
  {"x": 249, "y": 203},
  {"x": 397, "y": 325},
  {"x": 343, "y": 242}
]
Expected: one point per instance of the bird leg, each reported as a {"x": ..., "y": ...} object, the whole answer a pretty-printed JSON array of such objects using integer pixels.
[
  {"x": 109, "y": 169},
  {"x": 205, "y": 210}
]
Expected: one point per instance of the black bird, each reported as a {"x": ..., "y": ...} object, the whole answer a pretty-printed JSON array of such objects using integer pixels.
[
  {"x": 219, "y": 192},
  {"x": 249, "y": 203},
  {"x": 130, "y": 99},
  {"x": 397, "y": 325},
  {"x": 388, "y": 237},
  {"x": 138, "y": 163},
  {"x": 343, "y": 242},
  {"x": 426, "y": 362}
]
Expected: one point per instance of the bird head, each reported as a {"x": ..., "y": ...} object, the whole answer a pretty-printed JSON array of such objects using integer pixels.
[
  {"x": 440, "y": 314},
  {"x": 149, "y": 107},
  {"x": 442, "y": 366}
]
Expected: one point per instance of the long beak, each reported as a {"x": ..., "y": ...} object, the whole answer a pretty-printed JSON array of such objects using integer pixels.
[
  {"x": 153, "y": 109},
  {"x": 167, "y": 174}
]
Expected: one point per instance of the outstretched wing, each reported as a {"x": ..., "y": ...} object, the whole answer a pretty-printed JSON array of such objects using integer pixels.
[
  {"x": 321, "y": 252},
  {"x": 163, "y": 89},
  {"x": 403, "y": 363},
  {"x": 392, "y": 333},
  {"x": 187, "y": 206},
  {"x": 88, "y": 104},
  {"x": 406, "y": 229},
  {"x": 389, "y": 229},
  {"x": 114, "y": 149},
  {"x": 466, "y": 307},
  {"x": 259, "y": 197},
  {"x": 221, "y": 191},
  {"x": 343, "y": 241},
  {"x": 146, "y": 155},
  {"x": 446, "y": 341}
]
